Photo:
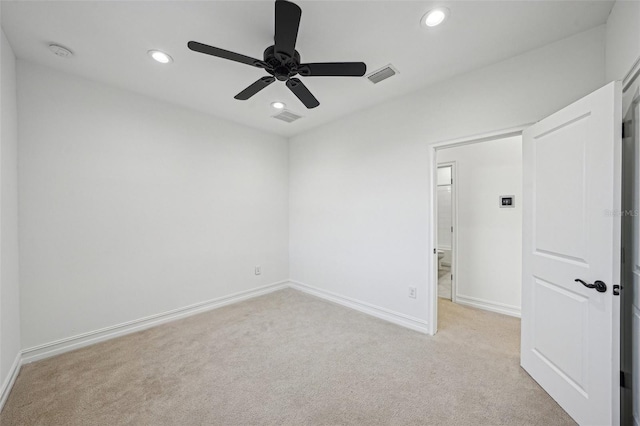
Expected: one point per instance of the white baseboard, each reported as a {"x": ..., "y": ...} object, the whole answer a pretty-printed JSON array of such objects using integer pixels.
[
  {"x": 501, "y": 308},
  {"x": 85, "y": 339},
  {"x": 388, "y": 315},
  {"x": 5, "y": 390}
]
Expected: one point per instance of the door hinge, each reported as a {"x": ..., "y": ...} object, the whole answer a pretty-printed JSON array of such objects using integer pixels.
[
  {"x": 434, "y": 251},
  {"x": 451, "y": 277},
  {"x": 625, "y": 380},
  {"x": 452, "y": 229},
  {"x": 616, "y": 289}
]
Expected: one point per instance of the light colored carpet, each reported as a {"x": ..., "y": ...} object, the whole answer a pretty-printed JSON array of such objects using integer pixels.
[
  {"x": 290, "y": 359},
  {"x": 444, "y": 282}
]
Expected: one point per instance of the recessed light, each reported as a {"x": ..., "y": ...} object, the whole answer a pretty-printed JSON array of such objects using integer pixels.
[
  {"x": 61, "y": 51},
  {"x": 278, "y": 105},
  {"x": 159, "y": 56},
  {"x": 435, "y": 17}
]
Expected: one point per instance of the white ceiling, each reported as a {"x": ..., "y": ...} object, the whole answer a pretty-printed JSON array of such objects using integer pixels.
[{"x": 110, "y": 41}]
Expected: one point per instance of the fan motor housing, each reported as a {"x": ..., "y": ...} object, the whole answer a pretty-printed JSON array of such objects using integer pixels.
[{"x": 280, "y": 65}]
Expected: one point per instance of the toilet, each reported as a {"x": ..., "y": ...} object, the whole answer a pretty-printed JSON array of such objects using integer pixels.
[{"x": 440, "y": 256}]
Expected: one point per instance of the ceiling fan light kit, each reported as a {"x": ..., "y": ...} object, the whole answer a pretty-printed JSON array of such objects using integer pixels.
[{"x": 282, "y": 61}]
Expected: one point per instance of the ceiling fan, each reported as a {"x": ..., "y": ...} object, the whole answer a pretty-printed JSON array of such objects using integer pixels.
[{"x": 282, "y": 61}]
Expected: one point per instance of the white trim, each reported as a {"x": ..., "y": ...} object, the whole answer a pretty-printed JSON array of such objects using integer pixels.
[
  {"x": 407, "y": 321},
  {"x": 432, "y": 285},
  {"x": 482, "y": 137},
  {"x": 617, "y": 247},
  {"x": 500, "y": 308},
  {"x": 432, "y": 249},
  {"x": 5, "y": 390},
  {"x": 85, "y": 339},
  {"x": 632, "y": 75},
  {"x": 57, "y": 347}
]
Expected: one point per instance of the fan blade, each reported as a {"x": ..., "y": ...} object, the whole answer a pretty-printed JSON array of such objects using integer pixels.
[
  {"x": 254, "y": 88},
  {"x": 287, "y": 23},
  {"x": 225, "y": 54},
  {"x": 301, "y": 91},
  {"x": 333, "y": 69}
]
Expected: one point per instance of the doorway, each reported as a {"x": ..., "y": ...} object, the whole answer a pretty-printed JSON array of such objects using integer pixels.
[
  {"x": 478, "y": 231},
  {"x": 571, "y": 252},
  {"x": 446, "y": 217}
]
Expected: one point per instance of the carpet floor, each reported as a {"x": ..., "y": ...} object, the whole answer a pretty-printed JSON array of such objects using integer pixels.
[
  {"x": 444, "y": 282},
  {"x": 288, "y": 358}
]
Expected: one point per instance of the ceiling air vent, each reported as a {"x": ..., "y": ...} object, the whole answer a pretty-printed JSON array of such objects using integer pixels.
[
  {"x": 382, "y": 74},
  {"x": 287, "y": 116}
]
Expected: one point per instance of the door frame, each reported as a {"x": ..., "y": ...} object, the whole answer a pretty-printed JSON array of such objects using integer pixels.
[
  {"x": 630, "y": 300},
  {"x": 432, "y": 282},
  {"x": 454, "y": 224}
]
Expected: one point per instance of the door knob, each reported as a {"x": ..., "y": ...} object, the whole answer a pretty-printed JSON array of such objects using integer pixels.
[{"x": 598, "y": 285}]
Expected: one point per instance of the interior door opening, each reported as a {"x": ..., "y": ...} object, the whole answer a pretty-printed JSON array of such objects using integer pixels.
[
  {"x": 446, "y": 214},
  {"x": 571, "y": 239},
  {"x": 479, "y": 231}
]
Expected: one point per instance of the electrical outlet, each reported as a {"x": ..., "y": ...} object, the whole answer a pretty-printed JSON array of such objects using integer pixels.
[
  {"x": 258, "y": 270},
  {"x": 413, "y": 292}
]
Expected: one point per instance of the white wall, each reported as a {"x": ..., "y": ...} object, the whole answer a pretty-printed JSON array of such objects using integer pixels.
[
  {"x": 9, "y": 285},
  {"x": 445, "y": 211},
  {"x": 489, "y": 238},
  {"x": 622, "y": 39},
  {"x": 131, "y": 207},
  {"x": 445, "y": 216},
  {"x": 360, "y": 214}
]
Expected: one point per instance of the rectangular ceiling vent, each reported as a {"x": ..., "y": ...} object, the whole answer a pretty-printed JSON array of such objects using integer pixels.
[
  {"x": 287, "y": 116},
  {"x": 382, "y": 74}
]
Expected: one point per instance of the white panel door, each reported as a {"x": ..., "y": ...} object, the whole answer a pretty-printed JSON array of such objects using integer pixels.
[{"x": 570, "y": 333}]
